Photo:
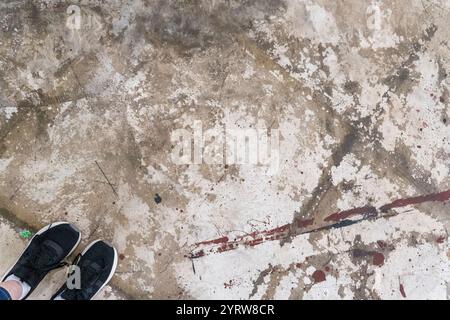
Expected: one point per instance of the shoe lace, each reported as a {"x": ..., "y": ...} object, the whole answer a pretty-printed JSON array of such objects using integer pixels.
[{"x": 42, "y": 256}]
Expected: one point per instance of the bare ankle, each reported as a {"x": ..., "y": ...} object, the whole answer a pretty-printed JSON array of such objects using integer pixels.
[{"x": 14, "y": 288}]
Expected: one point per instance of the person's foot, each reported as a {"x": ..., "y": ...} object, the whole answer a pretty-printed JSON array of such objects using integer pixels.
[
  {"x": 97, "y": 264},
  {"x": 46, "y": 251}
]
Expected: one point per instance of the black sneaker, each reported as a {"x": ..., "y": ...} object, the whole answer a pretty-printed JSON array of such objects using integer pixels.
[
  {"x": 97, "y": 264},
  {"x": 46, "y": 251}
]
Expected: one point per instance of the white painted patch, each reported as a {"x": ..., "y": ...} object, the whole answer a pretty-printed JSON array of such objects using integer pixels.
[
  {"x": 8, "y": 111},
  {"x": 346, "y": 170},
  {"x": 243, "y": 265},
  {"x": 378, "y": 23},
  {"x": 423, "y": 271},
  {"x": 248, "y": 72},
  {"x": 310, "y": 20},
  {"x": 4, "y": 163}
]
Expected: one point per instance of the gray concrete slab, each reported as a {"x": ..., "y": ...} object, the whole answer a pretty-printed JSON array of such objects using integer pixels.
[{"x": 353, "y": 95}]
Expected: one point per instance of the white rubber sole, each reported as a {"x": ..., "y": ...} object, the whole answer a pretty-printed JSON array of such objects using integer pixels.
[
  {"x": 113, "y": 269},
  {"x": 52, "y": 225}
]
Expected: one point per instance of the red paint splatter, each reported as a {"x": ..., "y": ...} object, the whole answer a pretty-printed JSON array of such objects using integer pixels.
[
  {"x": 254, "y": 234},
  {"x": 281, "y": 229},
  {"x": 304, "y": 223},
  {"x": 441, "y": 239},
  {"x": 319, "y": 276},
  {"x": 338, "y": 216},
  {"x": 381, "y": 244},
  {"x": 378, "y": 259},
  {"x": 254, "y": 242},
  {"x": 226, "y": 247},
  {"x": 442, "y": 196},
  {"x": 215, "y": 241},
  {"x": 257, "y": 237},
  {"x": 402, "y": 291}
]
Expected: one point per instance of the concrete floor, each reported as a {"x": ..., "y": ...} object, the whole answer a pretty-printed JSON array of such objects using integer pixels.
[{"x": 91, "y": 94}]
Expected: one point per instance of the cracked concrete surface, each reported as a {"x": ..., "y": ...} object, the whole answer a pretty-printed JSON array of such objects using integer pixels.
[{"x": 359, "y": 91}]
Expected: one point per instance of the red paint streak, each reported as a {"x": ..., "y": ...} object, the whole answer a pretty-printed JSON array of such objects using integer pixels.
[
  {"x": 304, "y": 223},
  {"x": 441, "y": 239},
  {"x": 254, "y": 234},
  {"x": 254, "y": 242},
  {"x": 338, "y": 216},
  {"x": 402, "y": 291},
  {"x": 226, "y": 247},
  {"x": 442, "y": 196},
  {"x": 215, "y": 241},
  {"x": 381, "y": 244},
  {"x": 378, "y": 259},
  {"x": 257, "y": 237},
  {"x": 281, "y": 229},
  {"x": 318, "y": 276}
]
